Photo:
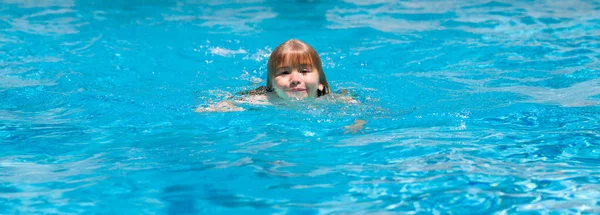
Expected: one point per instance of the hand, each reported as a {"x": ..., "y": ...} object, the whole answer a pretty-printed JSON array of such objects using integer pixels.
[{"x": 356, "y": 127}]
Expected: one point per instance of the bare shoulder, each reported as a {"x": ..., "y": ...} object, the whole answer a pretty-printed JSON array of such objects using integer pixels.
[
  {"x": 258, "y": 96},
  {"x": 342, "y": 96},
  {"x": 223, "y": 106},
  {"x": 236, "y": 104},
  {"x": 262, "y": 99},
  {"x": 347, "y": 99}
]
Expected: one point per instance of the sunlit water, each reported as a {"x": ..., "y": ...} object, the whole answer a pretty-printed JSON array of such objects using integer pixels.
[{"x": 472, "y": 107}]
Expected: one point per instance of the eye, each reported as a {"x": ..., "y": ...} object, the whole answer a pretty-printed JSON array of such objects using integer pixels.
[
  {"x": 304, "y": 71},
  {"x": 284, "y": 72}
]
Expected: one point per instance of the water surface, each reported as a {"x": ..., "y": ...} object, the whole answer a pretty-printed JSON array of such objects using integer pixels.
[{"x": 472, "y": 107}]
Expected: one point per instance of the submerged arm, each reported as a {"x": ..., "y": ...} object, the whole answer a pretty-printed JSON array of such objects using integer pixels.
[{"x": 222, "y": 106}]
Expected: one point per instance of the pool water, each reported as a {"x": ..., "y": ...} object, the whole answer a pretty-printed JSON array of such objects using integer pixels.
[{"x": 471, "y": 107}]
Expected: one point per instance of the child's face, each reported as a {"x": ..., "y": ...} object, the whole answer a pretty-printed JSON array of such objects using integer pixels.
[{"x": 296, "y": 81}]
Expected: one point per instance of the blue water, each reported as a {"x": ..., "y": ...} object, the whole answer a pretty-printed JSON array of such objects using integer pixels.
[{"x": 472, "y": 107}]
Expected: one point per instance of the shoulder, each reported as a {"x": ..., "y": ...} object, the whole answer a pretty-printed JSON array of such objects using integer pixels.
[
  {"x": 253, "y": 99},
  {"x": 341, "y": 96},
  {"x": 260, "y": 96},
  {"x": 262, "y": 90},
  {"x": 223, "y": 106}
]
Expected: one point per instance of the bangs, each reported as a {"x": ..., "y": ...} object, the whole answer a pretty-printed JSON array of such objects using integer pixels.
[{"x": 293, "y": 58}]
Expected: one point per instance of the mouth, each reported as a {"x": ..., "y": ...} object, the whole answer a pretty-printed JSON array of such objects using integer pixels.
[{"x": 297, "y": 89}]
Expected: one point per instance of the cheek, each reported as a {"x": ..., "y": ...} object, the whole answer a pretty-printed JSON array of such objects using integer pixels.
[
  {"x": 279, "y": 82},
  {"x": 313, "y": 80}
]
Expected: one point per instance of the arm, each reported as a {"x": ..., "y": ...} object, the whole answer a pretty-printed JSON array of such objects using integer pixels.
[{"x": 222, "y": 106}]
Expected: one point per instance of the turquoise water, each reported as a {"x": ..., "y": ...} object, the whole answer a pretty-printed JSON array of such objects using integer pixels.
[{"x": 472, "y": 107}]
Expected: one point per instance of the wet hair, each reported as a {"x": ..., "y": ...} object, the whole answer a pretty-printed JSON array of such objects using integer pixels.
[
  {"x": 258, "y": 91},
  {"x": 296, "y": 52}
]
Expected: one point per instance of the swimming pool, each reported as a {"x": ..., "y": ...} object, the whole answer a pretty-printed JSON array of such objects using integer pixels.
[{"x": 472, "y": 107}]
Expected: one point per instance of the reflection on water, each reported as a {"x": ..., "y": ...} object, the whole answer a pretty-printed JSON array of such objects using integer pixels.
[
  {"x": 40, "y": 4},
  {"x": 227, "y": 19},
  {"x": 510, "y": 29},
  {"x": 44, "y": 24},
  {"x": 577, "y": 95}
]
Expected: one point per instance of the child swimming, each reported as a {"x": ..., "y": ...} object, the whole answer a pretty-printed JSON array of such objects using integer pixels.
[{"x": 294, "y": 72}]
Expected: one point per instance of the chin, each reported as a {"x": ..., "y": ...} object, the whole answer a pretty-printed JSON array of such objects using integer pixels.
[
  {"x": 290, "y": 95},
  {"x": 297, "y": 96}
]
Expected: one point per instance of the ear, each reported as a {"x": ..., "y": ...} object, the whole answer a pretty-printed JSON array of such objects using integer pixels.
[{"x": 321, "y": 87}]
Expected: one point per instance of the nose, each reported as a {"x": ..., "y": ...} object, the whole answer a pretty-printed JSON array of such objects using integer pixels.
[{"x": 294, "y": 78}]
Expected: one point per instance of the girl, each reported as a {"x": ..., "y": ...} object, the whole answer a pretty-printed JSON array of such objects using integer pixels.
[{"x": 294, "y": 72}]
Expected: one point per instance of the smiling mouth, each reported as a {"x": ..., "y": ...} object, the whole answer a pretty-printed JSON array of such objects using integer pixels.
[{"x": 297, "y": 90}]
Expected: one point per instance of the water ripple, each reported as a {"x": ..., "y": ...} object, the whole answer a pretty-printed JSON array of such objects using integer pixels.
[{"x": 470, "y": 107}]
